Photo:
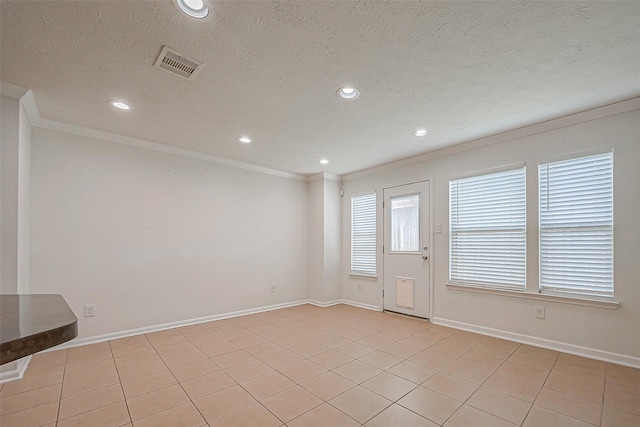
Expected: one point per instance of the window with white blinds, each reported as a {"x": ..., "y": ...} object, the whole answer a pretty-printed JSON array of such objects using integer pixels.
[
  {"x": 488, "y": 230},
  {"x": 576, "y": 226},
  {"x": 363, "y": 234}
]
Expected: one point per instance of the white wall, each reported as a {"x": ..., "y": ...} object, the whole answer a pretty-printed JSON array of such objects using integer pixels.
[
  {"x": 596, "y": 328},
  {"x": 24, "y": 201},
  {"x": 324, "y": 238},
  {"x": 332, "y": 239},
  {"x": 9, "y": 137},
  {"x": 9, "y": 155},
  {"x": 15, "y": 173},
  {"x": 151, "y": 238},
  {"x": 316, "y": 238}
]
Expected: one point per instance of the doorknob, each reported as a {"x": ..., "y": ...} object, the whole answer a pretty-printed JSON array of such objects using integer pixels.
[{"x": 425, "y": 257}]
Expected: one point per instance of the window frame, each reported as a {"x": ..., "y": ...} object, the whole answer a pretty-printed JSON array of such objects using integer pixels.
[
  {"x": 419, "y": 226},
  {"x": 372, "y": 274},
  {"x": 521, "y": 286},
  {"x": 559, "y": 290}
]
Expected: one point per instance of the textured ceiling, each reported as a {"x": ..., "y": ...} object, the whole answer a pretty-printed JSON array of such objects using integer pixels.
[{"x": 463, "y": 70}]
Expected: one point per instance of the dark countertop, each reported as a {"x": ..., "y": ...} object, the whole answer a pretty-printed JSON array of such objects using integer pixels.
[{"x": 33, "y": 322}]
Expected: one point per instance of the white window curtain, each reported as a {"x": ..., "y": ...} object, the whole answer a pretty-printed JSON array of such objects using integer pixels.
[
  {"x": 363, "y": 234},
  {"x": 576, "y": 226},
  {"x": 488, "y": 230},
  {"x": 405, "y": 223}
]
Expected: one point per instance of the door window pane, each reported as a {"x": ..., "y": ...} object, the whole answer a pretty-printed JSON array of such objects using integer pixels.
[{"x": 405, "y": 223}]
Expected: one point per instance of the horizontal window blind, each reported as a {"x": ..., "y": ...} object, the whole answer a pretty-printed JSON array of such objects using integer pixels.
[
  {"x": 363, "y": 234},
  {"x": 487, "y": 230},
  {"x": 576, "y": 226}
]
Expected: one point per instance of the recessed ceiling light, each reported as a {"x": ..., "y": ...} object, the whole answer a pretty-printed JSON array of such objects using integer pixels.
[
  {"x": 194, "y": 8},
  {"x": 244, "y": 139},
  {"x": 120, "y": 105},
  {"x": 324, "y": 161},
  {"x": 420, "y": 132},
  {"x": 348, "y": 93}
]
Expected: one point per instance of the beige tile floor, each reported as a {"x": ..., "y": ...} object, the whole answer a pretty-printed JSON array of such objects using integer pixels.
[{"x": 311, "y": 366}]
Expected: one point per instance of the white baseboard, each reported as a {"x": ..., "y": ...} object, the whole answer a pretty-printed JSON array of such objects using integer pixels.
[
  {"x": 577, "y": 350},
  {"x": 155, "y": 328},
  {"x": 17, "y": 373},
  {"x": 323, "y": 304},
  {"x": 344, "y": 301},
  {"x": 361, "y": 305},
  {"x": 592, "y": 353}
]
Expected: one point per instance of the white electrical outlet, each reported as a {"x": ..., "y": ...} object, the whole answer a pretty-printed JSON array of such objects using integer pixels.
[
  {"x": 359, "y": 286},
  {"x": 273, "y": 288},
  {"x": 89, "y": 310},
  {"x": 438, "y": 227},
  {"x": 539, "y": 312}
]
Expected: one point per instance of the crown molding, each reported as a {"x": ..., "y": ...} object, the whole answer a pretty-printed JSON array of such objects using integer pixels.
[
  {"x": 324, "y": 175},
  {"x": 28, "y": 101},
  {"x": 537, "y": 128},
  {"x": 12, "y": 91},
  {"x": 26, "y": 98},
  {"x": 332, "y": 177},
  {"x": 154, "y": 146}
]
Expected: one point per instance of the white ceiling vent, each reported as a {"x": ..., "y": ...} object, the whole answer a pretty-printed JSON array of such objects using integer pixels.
[{"x": 174, "y": 61}]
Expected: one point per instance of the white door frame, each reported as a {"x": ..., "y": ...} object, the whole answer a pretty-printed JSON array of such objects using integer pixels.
[{"x": 429, "y": 181}]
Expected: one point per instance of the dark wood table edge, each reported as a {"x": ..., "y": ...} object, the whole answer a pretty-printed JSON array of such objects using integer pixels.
[{"x": 25, "y": 346}]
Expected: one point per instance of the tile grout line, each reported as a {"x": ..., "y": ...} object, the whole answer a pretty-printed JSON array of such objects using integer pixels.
[
  {"x": 440, "y": 371},
  {"x": 495, "y": 371},
  {"x": 223, "y": 370},
  {"x": 111, "y": 352},
  {"x": 417, "y": 385},
  {"x": 539, "y": 391},
  {"x": 308, "y": 379},
  {"x": 604, "y": 392},
  {"x": 259, "y": 401},
  {"x": 288, "y": 388},
  {"x": 383, "y": 371},
  {"x": 143, "y": 376},
  {"x": 579, "y": 397},
  {"x": 120, "y": 383},
  {"x": 32, "y": 391},
  {"x": 64, "y": 372},
  {"x": 313, "y": 324},
  {"x": 481, "y": 384},
  {"x": 437, "y": 372},
  {"x": 300, "y": 385},
  {"x": 177, "y": 381}
]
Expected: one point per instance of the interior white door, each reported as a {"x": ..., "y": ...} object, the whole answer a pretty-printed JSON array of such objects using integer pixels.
[{"x": 406, "y": 252}]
